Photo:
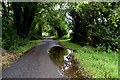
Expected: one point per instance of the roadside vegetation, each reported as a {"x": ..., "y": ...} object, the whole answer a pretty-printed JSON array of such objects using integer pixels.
[
  {"x": 10, "y": 57},
  {"x": 97, "y": 63}
]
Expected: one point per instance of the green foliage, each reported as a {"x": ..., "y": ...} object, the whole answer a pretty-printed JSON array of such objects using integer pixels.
[
  {"x": 7, "y": 63},
  {"x": 81, "y": 19},
  {"x": 103, "y": 19},
  {"x": 56, "y": 19},
  {"x": 9, "y": 36},
  {"x": 65, "y": 37},
  {"x": 14, "y": 27},
  {"x": 30, "y": 20},
  {"x": 33, "y": 35},
  {"x": 106, "y": 30}
]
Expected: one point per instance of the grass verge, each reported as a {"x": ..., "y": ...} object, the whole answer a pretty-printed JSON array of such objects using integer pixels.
[
  {"x": 8, "y": 58},
  {"x": 96, "y": 63}
]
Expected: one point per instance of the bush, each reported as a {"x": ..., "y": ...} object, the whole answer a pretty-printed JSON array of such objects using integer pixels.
[
  {"x": 10, "y": 39},
  {"x": 106, "y": 37}
]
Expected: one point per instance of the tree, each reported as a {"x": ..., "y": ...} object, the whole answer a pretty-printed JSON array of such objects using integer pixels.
[
  {"x": 56, "y": 18},
  {"x": 23, "y": 16},
  {"x": 79, "y": 13},
  {"x": 101, "y": 18}
]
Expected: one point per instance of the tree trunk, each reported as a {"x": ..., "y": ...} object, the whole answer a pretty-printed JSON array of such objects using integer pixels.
[
  {"x": 92, "y": 22},
  {"x": 17, "y": 17},
  {"x": 40, "y": 31}
]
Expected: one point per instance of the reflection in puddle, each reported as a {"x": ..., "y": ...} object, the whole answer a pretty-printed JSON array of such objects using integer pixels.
[{"x": 66, "y": 63}]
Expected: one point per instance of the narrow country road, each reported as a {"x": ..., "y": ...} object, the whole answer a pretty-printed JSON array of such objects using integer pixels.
[{"x": 35, "y": 64}]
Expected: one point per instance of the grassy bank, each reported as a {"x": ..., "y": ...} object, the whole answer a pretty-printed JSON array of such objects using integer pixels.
[
  {"x": 8, "y": 58},
  {"x": 29, "y": 45},
  {"x": 96, "y": 63}
]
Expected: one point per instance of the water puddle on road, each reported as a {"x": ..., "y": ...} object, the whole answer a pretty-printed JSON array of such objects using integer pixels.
[{"x": 68, "y": 67}]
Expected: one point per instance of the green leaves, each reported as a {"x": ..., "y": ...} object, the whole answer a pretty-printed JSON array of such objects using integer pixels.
[
  {"x": 105, "y": 26},
  {"x": 103, "y": 18}
]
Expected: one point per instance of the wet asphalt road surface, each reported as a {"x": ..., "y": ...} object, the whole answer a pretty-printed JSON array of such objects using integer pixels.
[{"x": 35, "y": 63}]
